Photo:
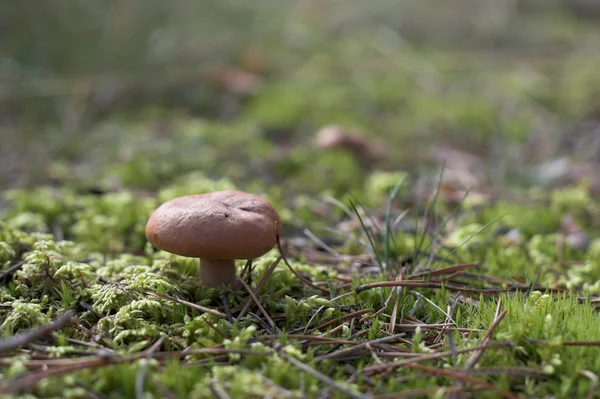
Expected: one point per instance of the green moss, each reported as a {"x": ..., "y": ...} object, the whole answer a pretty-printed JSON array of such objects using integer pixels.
[
  {"x": 379, "y": 184},
  {"x": 193, "y": 183}
]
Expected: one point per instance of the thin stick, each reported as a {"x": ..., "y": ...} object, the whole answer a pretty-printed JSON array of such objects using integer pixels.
[
  {"x": 321, "y": 377},
  {"x": 261, "y": 284},
  {"x": 141, "y": 375},
  {"x": 384, "y": 307},
  {"x": 464, "y": 378},
  {"x": 344, "y": 318},
  {"x": 376, "y": 369},
  {"x": 424, "y": 392},
  {"x": 594, "y": 382},
  {"x": 27, "y": 337},
  {"x": 65, "y": 366},
  {"x": 445, "y": 271},
  {"x": 394, "y": 311},
  {"x": 314, "y": 316},
  {"x": 260, "y": 306},
  {"x": 316, "y": 338},
  {"x": 305, "y": 281},
  {"x": 475, "y": 356},
  {"x": 320, "y": 242},
  {"x": 217, "y": 390},
  {"x": 566, "y": 343},
  {"x": 227, "y": 308},
  {"x": 12, "y": 269},
  {"x": 188, "y": 304},
  {"x": 214, "y": 328},
  {"x": 451, "y": 287},
  {"x": 348, "y": 351}
]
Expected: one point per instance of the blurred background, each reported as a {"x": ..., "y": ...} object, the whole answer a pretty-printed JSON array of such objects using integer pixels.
[{"x": 136, "y": 93}]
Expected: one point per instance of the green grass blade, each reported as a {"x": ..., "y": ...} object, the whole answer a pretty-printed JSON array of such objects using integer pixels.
[
  {"x": 479, "y": 230},
  {"x": 371, "y": 240},
  {"x": 388, "y": 216}
]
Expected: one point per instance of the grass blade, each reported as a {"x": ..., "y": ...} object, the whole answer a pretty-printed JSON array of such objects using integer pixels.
[{"x": 371, "y": 240}]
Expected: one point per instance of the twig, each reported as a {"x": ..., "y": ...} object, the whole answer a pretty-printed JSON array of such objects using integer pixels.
[
  {"x": 320, "y": 242},
  {"x": 475, "y": 356},
  {"x": 440, "y": 326},
  {"x": 141, "y": 375},
  {"x": 445, "y": 271},
  {"x": 11, "y": 269},
  {"x": 394, "y": 315},
  {"x": 321, "y": 377},
  {"x": 319, "y": 340},
  {"x": 164, "y": 391},
  {"x": 566, "y": 343},
  {"x": 304, "y": 281},
  {"x": 188, "y": 304},
  {"x": 227, "y": 308},
  {"x": 337, "y": 298},
  {"x": 246, "y": 270},
  {"x": 348, "y": 351},
  {"x": 373, "y": 354},
  {"x": 281, "y": 391},
  {"x": 452, "y": 345},
  {"x": 343, "y": 319},
  {"x": 260, "y": 306},
  {"x": 451, "y": 287},
  {"x": 65, "y": 366},
  {"x": 356, "y": 373},
  {"x": 425, "y": 392},
  {"x": 214, "y": 328},
  {"x": 261, "y": 284},
  {"x": 217, "y": 390},
  {"x": 447, "y": 314},
  {"x": 518, "y": 371},
  {"x": 465, "y": 378},
  {"x": 263, "y": 324},
  {"x": 376, "y": 369},
  {"x": 25, "y": 338},
  {"x": 313, "y": 317},
  {"x": 594, "y": 382},
  {"x": 384, "y": 307}
]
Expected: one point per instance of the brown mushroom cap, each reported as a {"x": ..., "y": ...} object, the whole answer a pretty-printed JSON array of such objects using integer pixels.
[
  {"x": 334, "y": 137},
  {"x": 218, "y": 225}
]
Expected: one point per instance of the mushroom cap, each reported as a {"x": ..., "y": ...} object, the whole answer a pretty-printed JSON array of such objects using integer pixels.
[
  {"x": 219, "y": 225},
  {"x": 334, "y": 137}
]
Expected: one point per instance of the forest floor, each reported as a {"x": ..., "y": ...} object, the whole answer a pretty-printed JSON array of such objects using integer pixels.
[{"x": 447, "y": 246}]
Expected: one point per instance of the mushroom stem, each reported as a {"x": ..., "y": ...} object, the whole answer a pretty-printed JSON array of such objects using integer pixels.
[{"x": 215, "y": 272}]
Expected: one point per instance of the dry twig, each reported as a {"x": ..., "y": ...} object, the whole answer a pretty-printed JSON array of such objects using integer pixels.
[{"x": 25, "y": 338}]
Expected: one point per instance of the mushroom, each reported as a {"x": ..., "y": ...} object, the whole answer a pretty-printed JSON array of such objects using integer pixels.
[
  {"x": 218, "y": 228},
  {"x": 334, "y": 137}
]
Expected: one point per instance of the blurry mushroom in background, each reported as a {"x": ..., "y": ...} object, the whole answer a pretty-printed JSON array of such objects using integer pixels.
[
  {"x": 333, "y": 137},
  {"x": 234, "y": 80},
  {"x": 218, "y": 228},
  {"x": 575, "y": 237}
]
